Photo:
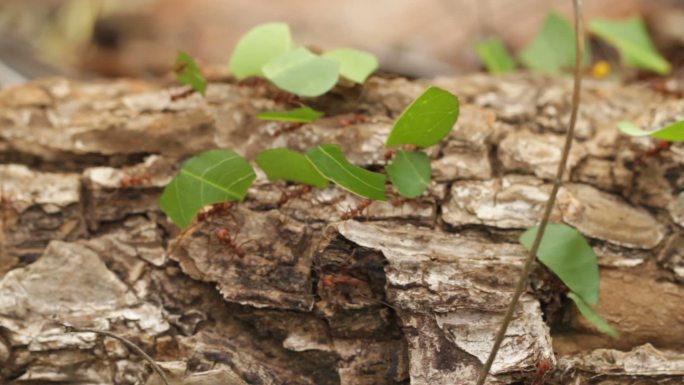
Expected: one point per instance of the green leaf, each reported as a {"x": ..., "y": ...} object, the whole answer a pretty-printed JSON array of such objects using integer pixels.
[
  {"x": 592, "y": 317},
  {"x": 427, "y": 120},
  {"x": 300, "y": 115},
  {"x": 331, "y": 162},
  {"x": 553, "y": 49},
  {"x": 211, "y": 177},
  {"x": 495, "y": 56},
  {"x": 673, "y": 132},
  {"x": 631, "y": 38},
  {"x": 188, "y": 72},
  {"x": 285, "y": 164},
  {"x": 565, "y": 252},
  {"x": 259, "y": 46},
  {"x": 355, "y": 65},
  {"x": 410, "y": 172},
  {"x": 303, "y": 73}
]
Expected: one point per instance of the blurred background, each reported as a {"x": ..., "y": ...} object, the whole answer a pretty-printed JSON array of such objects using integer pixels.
[{"x": 139, "y": 38}]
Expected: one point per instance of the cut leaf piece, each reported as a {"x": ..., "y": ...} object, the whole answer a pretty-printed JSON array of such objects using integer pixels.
[
  {"x": 592, "y": 317},
  {"x": 410, "y": 172},
  {"x": 331, "y": 162},
  {"x": 553, "y": 49},
  {"x": 427, "y": 120},
  {"x": 285, "y": 164},
  {"x": 303, "y": 73},
  {"x": 188, "y": 72},
  {"x": 300, "y": 115},
  {"x": 673, "y": 132},
  {"x": 259, "y": 46},
  {"x": 631, "y": 38},
  {"x": 565, "y": 252},
  {"x": 355, "y": 65},
  {"x": 211, "y": 177},
  {"x": 495, "y": 56}
]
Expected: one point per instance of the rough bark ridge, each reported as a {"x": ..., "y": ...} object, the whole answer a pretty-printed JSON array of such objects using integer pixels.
[{"x": 408, "y": 292}]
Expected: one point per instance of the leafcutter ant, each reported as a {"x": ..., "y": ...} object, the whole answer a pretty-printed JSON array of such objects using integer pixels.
[
  {"x": 300, "y": 191},
  {"x": 182, "y": 95},
  {"x": 543, "y": 366},
  {"x": 389, "y": 154},
  {"x": 214, "y": 210},
  {"x": 135, "y": 180},
  {"x": 354, "y": 119},
  {"x": 287, "y": 128},
  {"x": 223, "y": 235},
  {"x": 356, "y": 211},
  {"x": 660, "y": 146}
]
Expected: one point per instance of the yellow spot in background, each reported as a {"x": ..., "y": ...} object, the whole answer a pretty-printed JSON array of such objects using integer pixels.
[{"x": 601, "y": 69}]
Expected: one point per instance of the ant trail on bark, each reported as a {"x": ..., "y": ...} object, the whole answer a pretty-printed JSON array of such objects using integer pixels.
[
  {"x": 204, "y": 215},
  {"x": 660, "y": 146},
  {"x": 562, "y": 164},
  {"x": 72, "y": 329}
]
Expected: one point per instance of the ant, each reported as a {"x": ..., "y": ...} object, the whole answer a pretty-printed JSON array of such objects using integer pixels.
[
  {"x": 543, "y": 367},
  {"x": 135, "y": 180},
  {"x": 331, "y": 280},
  {"x": 354, "y": 119},
  {"x": 285, "y": 98},
  {"x": 356, "y": 211},
  {"x": 214, "y": 210},
  {"x": 182, "y": 94},
  {"x": 223, "y": 235},
  {"x": 297, "y": 193},
  {"x": 667, "y": 87},
  {"x": 660, "y": 146},
  {"x": 287, "y": 127},
  {"x": 389, "y": 154}
]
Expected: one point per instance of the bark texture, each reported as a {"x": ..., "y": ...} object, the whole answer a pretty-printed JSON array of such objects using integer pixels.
[{"x": 407, "y": 292}]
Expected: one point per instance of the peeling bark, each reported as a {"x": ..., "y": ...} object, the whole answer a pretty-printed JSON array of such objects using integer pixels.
[{"x": 409, "y": 292}]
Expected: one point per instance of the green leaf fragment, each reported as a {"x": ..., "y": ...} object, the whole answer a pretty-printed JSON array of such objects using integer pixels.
[
  {"x": 189, "y": 73},
  {"x": 410, "y": 172},
  {"x": 553, "y": 49},
  {"x": 673, "y": 132},
  {"x": 565, "y": 252},
  {"x": 258, "y": 47},
  {"x": 331, "y": 162},
  {"x": 631, "y": 38},
  {"x": 303, "y": 73},
  {"x": 211, "y": 177},
  {"x": 495, "y": 56},
  {"x": 299, "y": 115},
  {"x": 427, "y": 120},
  {"x": 592, "y": 317},
  {"x": 355, "y": 65},
  {"x": 285, "y": 164}
]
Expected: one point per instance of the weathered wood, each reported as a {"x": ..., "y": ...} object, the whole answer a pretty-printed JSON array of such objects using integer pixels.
[{"x": 408, "y": 292}]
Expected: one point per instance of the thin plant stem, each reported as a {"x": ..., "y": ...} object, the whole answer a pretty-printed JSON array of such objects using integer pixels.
[
  {"x": 529, "y": 262},
  {"x": 128, "y": 343}
]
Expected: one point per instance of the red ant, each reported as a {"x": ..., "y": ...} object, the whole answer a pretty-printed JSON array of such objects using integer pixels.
[
  {"x": 356, "y": 211},
  {"x": 182, "y": 94},
  {"x": 135, "y": 180},
  {"x": 389, "y": 154},
  {"x": 282, "y": 97},
  {"x": 543, "y": 367},
  {"x": 660, "y": 146},
  {"x": 287, "y": 128},
  {"x": 354, "y": 119},
  {"x": 331, "y": 280},
  {"x": 297, "y": 193},
  {"x": 667, "y": 88},
  {"x": 223, "y": 235},
  {"x": 214, "y": 210}
]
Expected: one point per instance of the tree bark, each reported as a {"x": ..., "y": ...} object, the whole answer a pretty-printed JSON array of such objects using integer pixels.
[{"x": 407, "y": 292}]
